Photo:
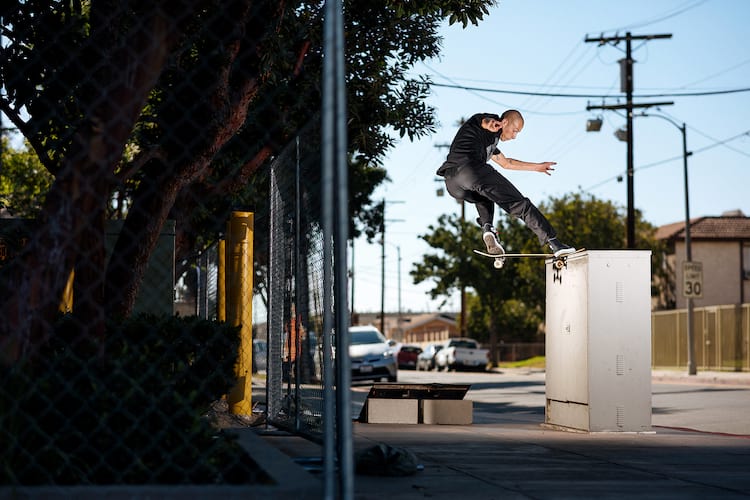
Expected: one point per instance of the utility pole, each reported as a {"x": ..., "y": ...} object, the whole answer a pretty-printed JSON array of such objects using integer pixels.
[
  {"x": 382, "y": 266},
  {"x": 626, "y": 85},
  {"x": 353, "y": 318},
  {"x": 400, "y": 319}
]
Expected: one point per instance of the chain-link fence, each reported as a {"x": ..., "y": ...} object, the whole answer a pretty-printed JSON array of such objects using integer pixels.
[
  {"x": 132, "y": 131},
  {"x": 197, "y": 289},
  {"x": 295, "y": 370}
]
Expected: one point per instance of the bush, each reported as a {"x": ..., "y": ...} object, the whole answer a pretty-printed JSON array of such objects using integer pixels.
[{"x": 123, "y": 410}]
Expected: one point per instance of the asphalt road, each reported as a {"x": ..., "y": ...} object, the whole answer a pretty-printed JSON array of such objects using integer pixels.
[{"x": 520, "y": 395}]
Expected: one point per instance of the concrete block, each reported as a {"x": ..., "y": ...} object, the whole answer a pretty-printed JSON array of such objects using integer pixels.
[
  {"x": 447, "y": 411},
  {"x": 393, "y": 411}
]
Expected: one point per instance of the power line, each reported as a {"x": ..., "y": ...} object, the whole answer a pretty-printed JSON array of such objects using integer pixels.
[
  {"x": 556, "y": 73},
  {"x": 661, "y": 17},
  {"x": 590, "y": 96},
  {"x": 717, "y": 142},
  {"x": 723, "y": 143},
  {"x": 667, "y": 160},
  {"x": 468, "y": 89},
  {"x": 719, "y": 73}
]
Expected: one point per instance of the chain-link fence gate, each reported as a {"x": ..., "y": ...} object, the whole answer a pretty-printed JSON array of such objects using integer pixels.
[
  {"x": 144, "y": 125},
  {"x": 295, "y": 369}
]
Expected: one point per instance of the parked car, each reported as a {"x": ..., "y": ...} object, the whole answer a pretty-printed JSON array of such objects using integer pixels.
[
  {"x": 372, "y": 358},
  {"x": 407, "y": 356},
  {"x": 462, "y": 353},
  {"x": 260, "y": 355},
  {"x": 426, "y": 358}
]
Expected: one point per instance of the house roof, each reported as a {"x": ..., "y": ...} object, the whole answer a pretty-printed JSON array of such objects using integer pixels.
[
  {"x": 708, "y": 228},
  {"x": 417, "y": 321}
]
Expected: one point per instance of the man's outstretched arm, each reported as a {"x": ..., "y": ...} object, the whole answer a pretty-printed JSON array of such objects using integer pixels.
[{"x": 513, "y": 164}]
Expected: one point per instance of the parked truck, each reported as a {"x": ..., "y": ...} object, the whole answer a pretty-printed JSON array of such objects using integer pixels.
[{"x": 462, "y": 353}]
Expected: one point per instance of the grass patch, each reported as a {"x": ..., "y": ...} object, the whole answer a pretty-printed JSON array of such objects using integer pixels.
[{"x": 535, "y": 362}]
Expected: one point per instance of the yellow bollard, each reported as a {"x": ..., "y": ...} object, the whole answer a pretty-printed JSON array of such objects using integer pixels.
[
  {"x": 66, "y": 302},
  {"x": 239, "y": 300},
  {"x": 221, "y": 284}
]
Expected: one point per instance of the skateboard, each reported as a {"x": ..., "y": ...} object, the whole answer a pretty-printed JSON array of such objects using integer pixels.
[{"x": 558, "y": 262}]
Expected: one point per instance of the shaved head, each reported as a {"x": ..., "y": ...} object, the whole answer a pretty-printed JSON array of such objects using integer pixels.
[
  {"x": 512, "y": 123},
  {"x": 512, "y": 115}
]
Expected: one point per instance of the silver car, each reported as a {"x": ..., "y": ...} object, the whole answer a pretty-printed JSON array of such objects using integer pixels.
[
  {"x": 260, "y": 350},
  {"x": 371, "y": 356}
]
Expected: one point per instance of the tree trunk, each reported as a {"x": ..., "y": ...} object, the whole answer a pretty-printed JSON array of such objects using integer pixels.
[
  {"x": 151, "y": 204},
  {"x": 71, "y": 229},
  {"x": 161, "y": 186},
  {"x": 494, "y": 354}
]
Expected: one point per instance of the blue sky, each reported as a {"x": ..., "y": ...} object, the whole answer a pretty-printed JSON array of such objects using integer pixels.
[{"x": 538, "y": 46}]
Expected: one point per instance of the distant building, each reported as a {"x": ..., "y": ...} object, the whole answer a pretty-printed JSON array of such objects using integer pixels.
[
  {"x": 419, "y": 328},
  {"x": 722, "y": 245}
]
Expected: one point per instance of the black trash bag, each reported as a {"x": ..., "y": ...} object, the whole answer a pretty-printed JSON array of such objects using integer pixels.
[{"x": 385, "y": 460}]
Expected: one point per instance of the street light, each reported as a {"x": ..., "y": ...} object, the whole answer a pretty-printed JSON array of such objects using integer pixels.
[
  {"x": 627, "y": 135},
  {"x": 594, "y": 124},
  {"x": 621, "y": 134},
  {"x": 624, "y": 135},
  {"x": 688, "y": 245}
]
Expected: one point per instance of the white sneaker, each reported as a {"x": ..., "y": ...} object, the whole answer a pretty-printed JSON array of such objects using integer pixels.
[{"x": 493, "y": 246}]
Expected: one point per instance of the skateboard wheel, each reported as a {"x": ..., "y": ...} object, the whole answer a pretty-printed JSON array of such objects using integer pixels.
[
  {"x": 559, "y": 263},
  {"x": 498, "y": 263}
]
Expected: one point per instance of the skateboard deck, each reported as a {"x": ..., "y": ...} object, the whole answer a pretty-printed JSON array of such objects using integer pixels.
[{"x": 559, "y": 262}]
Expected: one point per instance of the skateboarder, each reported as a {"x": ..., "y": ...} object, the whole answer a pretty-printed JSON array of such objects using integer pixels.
[{"x": 469, "y": 177}]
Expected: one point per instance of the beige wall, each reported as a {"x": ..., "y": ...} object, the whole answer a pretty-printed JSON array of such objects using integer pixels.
[
  {"x": 432, "y": 331},
  {"x": 722, "y": 273}
]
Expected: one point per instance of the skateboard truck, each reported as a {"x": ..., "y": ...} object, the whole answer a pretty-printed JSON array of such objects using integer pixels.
[{"x": 560, "y": 262}]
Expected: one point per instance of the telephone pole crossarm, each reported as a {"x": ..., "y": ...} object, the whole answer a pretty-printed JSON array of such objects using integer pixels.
[
  {"x": 626, "y": 106},
  {"x": 618, "y": 38}
]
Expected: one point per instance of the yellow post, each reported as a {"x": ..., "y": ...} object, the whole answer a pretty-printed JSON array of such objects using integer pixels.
[
  {"x": 66, "y": 303},
  {"x": 239, "y": 300},
  {"x": 221, "y": 285}
]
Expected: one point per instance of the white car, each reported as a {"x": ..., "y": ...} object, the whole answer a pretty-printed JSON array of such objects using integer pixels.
[
  {"x": 462, "y": 353},
  {"x": 426, "y": 358},
  {"x": 372, "y": 357}
]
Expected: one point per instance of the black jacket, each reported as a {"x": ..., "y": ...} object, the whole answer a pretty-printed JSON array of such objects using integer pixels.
[{"x": 472, "y": 144}]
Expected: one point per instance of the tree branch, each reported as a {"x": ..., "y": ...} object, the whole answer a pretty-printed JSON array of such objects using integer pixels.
[{"x": 26, "y": 131}]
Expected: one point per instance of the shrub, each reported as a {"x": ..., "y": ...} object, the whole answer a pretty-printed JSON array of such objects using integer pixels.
[{"x": 123, "y": 410}]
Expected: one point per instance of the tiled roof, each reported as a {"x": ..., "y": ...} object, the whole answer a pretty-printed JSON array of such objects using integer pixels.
[
  {"x": 709, "y": 228},
  {"x": 670, "y": 230},
  {"x": 416, "y": 321}
]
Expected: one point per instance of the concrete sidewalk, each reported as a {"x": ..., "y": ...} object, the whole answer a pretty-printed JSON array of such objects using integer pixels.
[
  {"x": 516, "y": 457},
  {"x": 702, "y": 377}
]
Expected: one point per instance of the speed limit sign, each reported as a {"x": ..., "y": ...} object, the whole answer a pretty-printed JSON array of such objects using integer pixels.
[{"x": 692, "y": 280}]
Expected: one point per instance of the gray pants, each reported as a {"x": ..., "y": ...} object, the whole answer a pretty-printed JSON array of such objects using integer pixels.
[{"x": 484, "y": 186}]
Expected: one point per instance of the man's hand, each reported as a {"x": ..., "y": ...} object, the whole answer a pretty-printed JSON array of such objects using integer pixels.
[
  {"x": 546, "y": 167},
  {"x": 491, "y": 124}
]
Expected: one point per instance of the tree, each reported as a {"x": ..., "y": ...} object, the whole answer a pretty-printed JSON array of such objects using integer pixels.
[
  {"x": 455, "y": 265},
  {"x": 23, "y": 181},
  {"x": 203, "y": 93},
  {"x": 509, "y": 303}
]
